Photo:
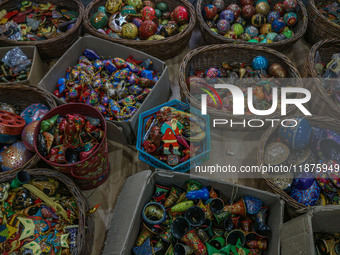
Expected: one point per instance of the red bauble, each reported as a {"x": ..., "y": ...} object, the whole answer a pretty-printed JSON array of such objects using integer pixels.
[
  {"x": 234, "y": 8},
  {"x": 147, "y": 29},
  {"x": 248, "y": 11},
  {"x": 247, "y": 2},
  {"x": 181, "y": 15},
  {"x": 209, "y": 11},
  {"x": 279, "y": 8},
  {"x": 148, "y": 13}
]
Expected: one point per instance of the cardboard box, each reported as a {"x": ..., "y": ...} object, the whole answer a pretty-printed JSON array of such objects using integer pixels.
[
  {"x": 159, "y": 94},
  {"x": 38, "y": 68},
  {"x": 138, "y": 190},
  {"x": 297, "y": 235}
]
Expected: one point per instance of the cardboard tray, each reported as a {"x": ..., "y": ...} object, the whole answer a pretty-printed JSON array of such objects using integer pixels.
[
  {"x": 138, "y": 190},
  {"x": 297, "y": 235},
  {"x": 159, "y": 94},
  {"x": 38, "y": 68}
]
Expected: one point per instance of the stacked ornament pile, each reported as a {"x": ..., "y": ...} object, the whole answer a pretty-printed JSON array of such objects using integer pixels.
[
  {"x": 247, "y": 76},
  {"x": 198, "y": 221},
  {"x": 252, "y": 23},
  {"x": 327, "y": 243},
  {"x": 114, "y": 86},
  {"x": 173, "y": 136},
  {"x": 313, "y": 153},
  {"x": 35, "y": 22},
  {"x": 330, "y": 10},
  {"x": 16, "y": 134},
  {"x": 140, "y": 20},
  {"x": 330, "y": 73},
  {"x": 38, "y": 217}
]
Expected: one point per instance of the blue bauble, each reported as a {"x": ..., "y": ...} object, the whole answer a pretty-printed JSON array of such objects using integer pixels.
[
  {"x": 252, "y": 31},
  {"x": 280, "y": 37},
  {"x": 297, "y": 137},
  {"x": 34, "y": 112},
  {"x": 227, "y": 15},
  {"x": 273, "y": 15},
  {"x": 278, "y": 25},
  {"x": 305, "y": 190},
  {"x": 260, "y": 62}
]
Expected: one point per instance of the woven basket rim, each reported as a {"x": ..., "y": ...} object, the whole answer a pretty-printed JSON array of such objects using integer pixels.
[
  {"x": 310, "y": 68},
  {"x": 216, "y": 47},
  {"x": 312, "y": 6},
  {"x": 167, "y": 40},
  {"x": 81, "y": 201},
  {"x": 78, "y": 24},
  {"x": 51, "y": 103},
  {"x": 292, "y": 40},
  {"x": 265, "y": 139}
]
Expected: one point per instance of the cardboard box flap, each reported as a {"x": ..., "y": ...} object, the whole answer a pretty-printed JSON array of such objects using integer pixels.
[
  {"x": 297, "y": 236},
  {"x": 125, "y": 212},
  {"x": 326, "y": 219}
]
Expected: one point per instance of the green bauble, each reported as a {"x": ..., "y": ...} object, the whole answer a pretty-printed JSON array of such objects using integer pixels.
[
  {"x": 163, "y": 7},
  {"x": 99, "y": 19},
  {"x": 137, "y": 4},
  {"x": 126, "y": 10},
  {"x": 158, "y": 13},
  {"x": 288, "y": 33}
]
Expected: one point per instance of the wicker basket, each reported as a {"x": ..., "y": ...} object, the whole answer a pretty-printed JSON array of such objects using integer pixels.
[
  {"x": 294, "y": 208},
  {"x": 85, "y": 229},
  {"x": 22, "y": 96},
  {"x": 213, "y": 56},
  {"x": 319, "y": 27},
  {"x": 212, "y": 38},
  {"x": 55, "y": 47},
  {"x": 322, "y": 103},
  {"x": 162, "y": 49}
]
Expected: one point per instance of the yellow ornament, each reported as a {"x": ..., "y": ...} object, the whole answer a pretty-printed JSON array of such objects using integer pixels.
[
  {"x": 34, "y": 247},
  {"x": 113, "y": 6},
  {"x": 29, "y": 227},
  {"x": 155, "y": 37},
  {"x": 2, "y": 14}
]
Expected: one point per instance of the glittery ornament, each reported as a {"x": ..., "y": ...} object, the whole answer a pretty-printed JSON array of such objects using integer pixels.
[
  {"x": 235, "y": 9},
  {"x": 266, "y": 29},
  {"x": 147, "y": 29},
  {"x": 273, "y": 15},
  {"x": 248, "y": 11},
  {"x": 262, "y": 8},
  {"x": 27, "y": 135},
  {"x": 16, "y": 156},
  {"x": 237, "y": 29},
  {"x": 279, "y": 8},
  {"x": 181, "y": 15},
  {"x": 278, "y": 25},
  {"x": 289, "y": 5},
  {"x": 129, "y": 31},
  {"x": 258, "y": 20},
  {"x": 277, "y": 70},
  {"x": 148, "y": 13},
  {"x": 219, "y": 4},
  {"x": 209, "y": 11},
  {"x": 222, "y": 26},
  {"x": 252, "y": 31},
  {"x": 34, "y": 112},
  {"x": 260, "y": 62},
  {"x": 227, "y": 15},
  {"x": 290, "y": 19},
  {"x": 113, "y": 6}
]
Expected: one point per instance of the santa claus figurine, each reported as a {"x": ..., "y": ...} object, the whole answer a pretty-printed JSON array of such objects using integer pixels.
[{"x": 169, "y": 130}]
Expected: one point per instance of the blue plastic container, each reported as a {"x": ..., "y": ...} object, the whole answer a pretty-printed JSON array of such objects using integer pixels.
[{"x": 153, "y": 161}]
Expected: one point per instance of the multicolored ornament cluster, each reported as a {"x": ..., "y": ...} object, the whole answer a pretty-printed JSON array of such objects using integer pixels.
[
  {"x": 199, "y": 219},
  {"x": 327, "y": 242},
  {"x": 255, "y": 23},
  {"x": 36, "y": 21},
  {"x": 38, "y": 217},
  {"x": 173, "y": 136},
  {"x": 330, "y": 10},
  {"x": 114, "y": 86},
  {"x": 140, "y": 20},
  {"x": 259, "y": 76},
  {"x": 303, "y": 145},
  {"x": 70, "y": 138},
  {"x": 17, "y": 132}
]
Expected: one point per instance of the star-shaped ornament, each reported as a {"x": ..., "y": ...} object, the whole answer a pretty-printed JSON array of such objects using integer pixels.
[{"x": 145, "y": 249}]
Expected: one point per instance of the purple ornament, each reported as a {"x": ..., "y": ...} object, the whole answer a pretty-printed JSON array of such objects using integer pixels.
[
  {"x": 90, "y": 54},
  {"x": 132, "y": 79},
  {"x": 93, "y": 98},
  {"x": 137, "y": 21},
  {"x": 227, "y": 15},
  {"x": 34, "y": 112},
  {"x": 223, "y": 26},
  {"x": 213, "y": 73},
  {"x": 133, "y": 68},
  {"x": 273, "y": 15},
  {"x": 105, "y": 100},
  {"x": 101, "y": 109}
]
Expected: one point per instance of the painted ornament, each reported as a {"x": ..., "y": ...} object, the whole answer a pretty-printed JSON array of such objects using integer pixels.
[
  {"x": 128, "y": 9},
  {"x": 222, "y": 26},
  {"x": 248, "y": 11},
  {"x": 262, "y": 8},
  {"x": 278, "y": 25},
  {"x": 289, "y": 5},
  {"x": 113, "y": 6},
  {"x": 237, "y": 29},
  {"x": 16, "y": 156},
  {"x": 260, "y": 62},
  {"x": 258, "y": 20},
  {"x": 129, "y": 31},
  {"x": 246, "y": 2},
  {"x": 279, "y": 8},
  {"x": 290, "y": 19},
  {"x": 99, "y": 19},
  {"x": 273, "y": 15},
  {"x": 219, "y": 4},
  {"x": 148, "y": 13},
  {"x": 137, "y": 4},
  {"x": 209, "y": 11},
  {"x": 34, "y": 112},
  {"x": 227, "y": 15},
  {"x": 181, "y": 15},
  {"x": 163, "y": 7},
  {"x": 147, "y": 29},
  {"x": 252, "y": 31},
  {"x": 266, "y": 29},
  {"x": 230, "y": 35},
  {"x": 28, "y": 134},
  {"x": 277, "y": 70},
  {"x": 235, "y": 9}
]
